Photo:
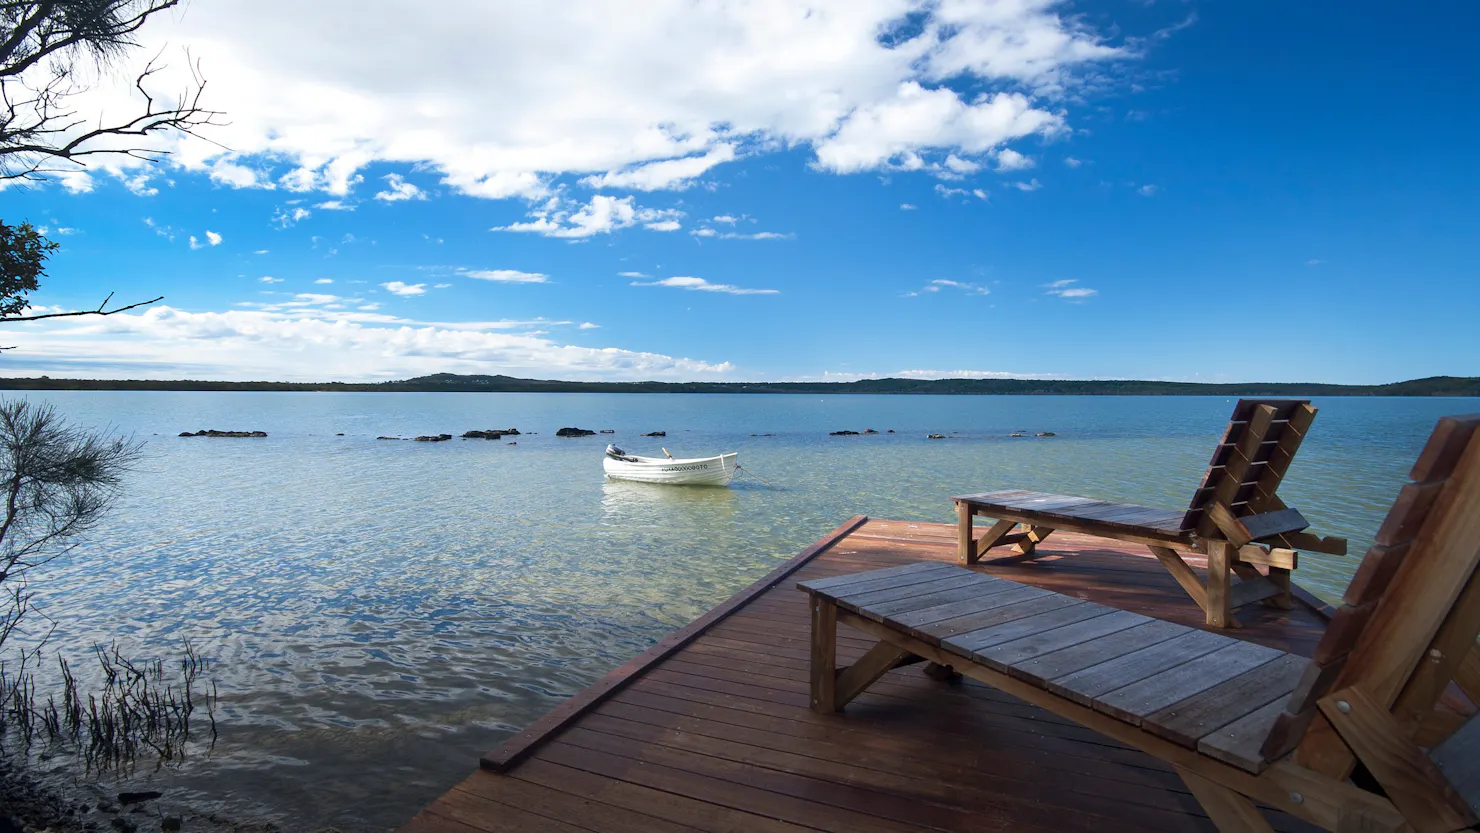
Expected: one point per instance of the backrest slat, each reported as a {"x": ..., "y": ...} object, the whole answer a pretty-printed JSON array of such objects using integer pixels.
[
  {"x": 1250, "y": 460},
  {"x": 1414, "y": 593}
]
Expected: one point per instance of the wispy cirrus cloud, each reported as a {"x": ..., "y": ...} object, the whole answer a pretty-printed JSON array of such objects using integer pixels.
[
  {"x": 505, "y": 275},
  {"x": 1068, "y": 291},
  {"x": 940, "y": 284},
  {"x": 404, "y": 289},
  {"x": 701, "y": 285}
]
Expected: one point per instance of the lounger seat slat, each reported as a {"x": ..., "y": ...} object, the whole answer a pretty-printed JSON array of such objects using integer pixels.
[
  {"x": 1088, "y": 685},
  {"x": 1137, "y": 701},
  {"x": 1186, "y": 721}
]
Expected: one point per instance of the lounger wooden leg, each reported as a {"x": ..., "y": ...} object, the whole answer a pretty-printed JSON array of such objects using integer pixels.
[
  {"x": 966, "y": 551},
  {"x": 1031, "y": 539},
  {"x": 1281, "y": 579},
  {"x": 1231, "y": 812},
  {"x": 824, "y": 656},
  {"x": 856, "y": 678},
  {"x": 1219, "y": 573},
  {"x": 989, "y": 539}
]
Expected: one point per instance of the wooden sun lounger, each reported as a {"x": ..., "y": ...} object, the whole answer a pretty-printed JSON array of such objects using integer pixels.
[
  {"x": 1235, "y": 517},
  {"x": 1241, "y": 723}
]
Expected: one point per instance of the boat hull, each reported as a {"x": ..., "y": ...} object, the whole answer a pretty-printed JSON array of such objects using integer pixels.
[{"x": 701, "y": 471}]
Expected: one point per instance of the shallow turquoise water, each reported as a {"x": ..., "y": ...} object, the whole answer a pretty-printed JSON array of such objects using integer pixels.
[{"x": 380, "y": 613}]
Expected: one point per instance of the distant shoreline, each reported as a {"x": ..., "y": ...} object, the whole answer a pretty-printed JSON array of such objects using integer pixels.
[{"x": 452, "y": 383}]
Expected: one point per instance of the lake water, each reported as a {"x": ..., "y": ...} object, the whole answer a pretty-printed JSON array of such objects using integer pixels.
[{"x": 380, "y": 613}]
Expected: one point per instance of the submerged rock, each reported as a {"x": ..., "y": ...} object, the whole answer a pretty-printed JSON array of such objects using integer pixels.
[
  {"x": 869, "y": 431},
  {"x": 1017, "y": 434},
  {"x": 843, "y": 434},
  {"x": 212, "y": 432},
  {"x": 664, "y": 434},
  {"x": 890, "y": 431},
  {"x": 387, "y": 438},
  {"x": 935, "y": 437},
  {"x": 762, "y": 435},
  {"x": 608, "y": 431},
  {"x": 1045, "y": 434},
  {"x": 136, "y": 797},
  {"x": 574, "y": 432}
]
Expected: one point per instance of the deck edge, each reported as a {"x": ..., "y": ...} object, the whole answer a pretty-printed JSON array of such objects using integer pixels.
[{"x": 518, "y": 746}]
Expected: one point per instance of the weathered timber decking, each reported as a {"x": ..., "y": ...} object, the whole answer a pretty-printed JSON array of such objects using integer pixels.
[{"x": 710, "y": 730}]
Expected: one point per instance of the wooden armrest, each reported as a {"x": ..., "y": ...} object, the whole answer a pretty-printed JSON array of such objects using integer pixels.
[{"x": 1240, "y": 531}]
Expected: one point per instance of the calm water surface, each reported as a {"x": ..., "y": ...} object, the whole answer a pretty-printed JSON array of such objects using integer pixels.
[{"x": 380, "y": 613}]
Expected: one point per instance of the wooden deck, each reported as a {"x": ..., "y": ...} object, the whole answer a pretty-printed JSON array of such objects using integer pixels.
[{"x": 710, "y": 731}]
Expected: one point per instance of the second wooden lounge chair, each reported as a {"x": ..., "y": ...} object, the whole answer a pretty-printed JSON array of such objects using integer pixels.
[
  {"x": 1355, "y": 738},
  {"x": 1236, "y": 504}
]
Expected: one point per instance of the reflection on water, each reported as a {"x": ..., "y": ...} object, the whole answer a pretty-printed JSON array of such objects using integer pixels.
[{"x": 380, "y": 613}]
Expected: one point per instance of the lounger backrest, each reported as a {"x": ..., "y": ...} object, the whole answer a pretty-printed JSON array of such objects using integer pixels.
[
  {"x": 1250, "y": 461},
  {"x": 1410, "y": 616}
]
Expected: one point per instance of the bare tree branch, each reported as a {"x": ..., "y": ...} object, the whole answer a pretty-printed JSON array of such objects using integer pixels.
[
  {"x": 37, "y": 126},
  {"x": 101, "y": 310}
]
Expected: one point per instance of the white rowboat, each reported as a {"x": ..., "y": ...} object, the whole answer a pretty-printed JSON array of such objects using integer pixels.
[{"x": 696, "y": 471}]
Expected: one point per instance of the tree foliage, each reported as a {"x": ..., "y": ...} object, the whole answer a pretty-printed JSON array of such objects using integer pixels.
[
  {"x": 23, "y": 253},
  {"x": 46, "y": 48}
]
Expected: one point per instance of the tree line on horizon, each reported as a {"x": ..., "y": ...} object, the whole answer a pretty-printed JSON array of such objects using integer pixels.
[{"x": 454, "y": 383}]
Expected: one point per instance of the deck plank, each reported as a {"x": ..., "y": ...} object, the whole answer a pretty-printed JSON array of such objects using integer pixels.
[{"x": 716, "y": 735}]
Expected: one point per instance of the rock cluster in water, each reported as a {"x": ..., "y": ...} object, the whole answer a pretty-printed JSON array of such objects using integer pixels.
[
  {"x": 439, "y": 438},
  {"x": 214, "y": 433},
  {"x": 935, "y": 436},
  {"x": 661, "y": 434},
  {"x": 843, "y": 434},
  {"x": 574, "y": 432}
]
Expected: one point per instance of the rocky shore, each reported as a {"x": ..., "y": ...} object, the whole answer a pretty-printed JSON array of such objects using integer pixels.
[{"x": 27, "y": 806}]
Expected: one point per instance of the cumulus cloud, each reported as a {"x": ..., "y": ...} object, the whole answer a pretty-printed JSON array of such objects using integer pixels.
[
  {"x": 675, "y": 174},
  {"x": 305, "y": 339},
  {"x": 557, "y": 217},
  {"x": 335, "y": 205},
  {"x": 212, "y": 239},
  {"x": 1072, "y": 162},
  {"x": 1148, "y": 190},
  {"x": 587, "y": 325},
  {"x": 290, "y": 216},
  {"x": 398, "y": 189},
  {"x": 1010, "y": 160},
  {"x": 1067, "y": 290},
  {"x": 904, "y": 206},
  {"x": 522, "y": 94},
  {"x": 505, "y": 275},
  {"x": 701, "y": 285},
  {"x": 399, "y": 288},
  {"x": 1030, "y": 185}
]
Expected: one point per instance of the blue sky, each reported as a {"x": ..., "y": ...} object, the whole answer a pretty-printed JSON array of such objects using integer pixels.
[{"x": 1168, "y": 190}]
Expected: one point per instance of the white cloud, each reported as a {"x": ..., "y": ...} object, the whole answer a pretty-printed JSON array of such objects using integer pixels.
[
  {"x": 270, "y": 279},
  {"x": 260, "y": 252},
  {"x": 213, "y": 238},
  {"x": 1072, "y": 162},
  {"x": 727, "y": 219},
  {"x": 227, "y": 172},
  {"x": 399, "y": 288},
  {"x": 335, "y": 205},
  {"x": 941, "y": 283},
  {"x": 701, "y": 285},
  {"x": 324, "y": 280},
  {"x": 1010, "y": 160},
  {"x": 634, "y": 275},
  {"x": 894, "y": 132},
  {"x": 1147, "y": 190},
  {"x": 441, "y": 286},
  {"x": 398, "y": 189},
  {"x": 284, "y": 218},
  {"x": 904, "y": 206},
  {"x": 310, "y": 341},
  {"x": 675, "y": 174},
  {"x": 735, "y": 235},
  {"x": 948, "y": 192},
  {"x": 664, "y": 225},
  {"x": 505, "y": 275},
  {"x": 957, "y": 165},
  {"x": 557, "y": 218},
  {"x": 587, "y": 325},
  {"x": 1067, "y": 290},
  {"x": 522, "y": 93},
  {"x": 1031, "y": 185}
]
